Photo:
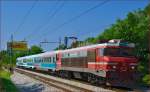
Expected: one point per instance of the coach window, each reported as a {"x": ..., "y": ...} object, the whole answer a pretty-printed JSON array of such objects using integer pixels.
[
  {"x": 50, "y": 59},
  {"x": 43, "y": 60},
  {"x": 53, "y": 59},
  {"x": 81, "y": 54},
  {"x": 35, "y": 60},
  {"x": 68, "y": 55},
  {"x": 47, "y": 60},
  {"x": 64, "y": 55},
  {"x": 40, "y": 60}
]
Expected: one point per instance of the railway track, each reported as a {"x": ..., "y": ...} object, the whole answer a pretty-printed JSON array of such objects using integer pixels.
[
  {"x": 116, "y": 89},
  {"x": 64, "y": 84}
]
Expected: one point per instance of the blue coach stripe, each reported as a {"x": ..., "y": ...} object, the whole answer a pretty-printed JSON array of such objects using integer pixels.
[{"x": 48, "y": 65}]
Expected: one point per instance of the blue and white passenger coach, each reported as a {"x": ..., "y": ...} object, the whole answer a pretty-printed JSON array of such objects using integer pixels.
[{"x": 43, "y": 61}]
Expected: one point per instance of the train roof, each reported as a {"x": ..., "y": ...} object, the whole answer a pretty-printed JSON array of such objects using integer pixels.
[
  {"x": 30, "y": 56},
  {"x": 100, "y": 45},
  {"x": 45, "y": 54},
  {"x": 50, "y": 53}
]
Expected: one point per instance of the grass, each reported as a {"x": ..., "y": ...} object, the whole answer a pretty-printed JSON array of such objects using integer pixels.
[
  {"x": 6, "y": 84},
  {"x": 146, "y": 79}
]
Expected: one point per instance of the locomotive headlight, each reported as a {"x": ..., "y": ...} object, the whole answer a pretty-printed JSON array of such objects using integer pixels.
[
  {"x": 132, "y": 67},
  {"x": 114, "y": 67}
]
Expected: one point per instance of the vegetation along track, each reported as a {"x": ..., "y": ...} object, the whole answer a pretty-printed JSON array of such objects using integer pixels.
[{"x": 66, "y": 85}]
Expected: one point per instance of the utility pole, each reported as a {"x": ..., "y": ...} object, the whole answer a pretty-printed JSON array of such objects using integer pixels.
[
  {"x": 0, "y": 37},
  {"x": 11, "y": 50},
  {"x": 0, "y": 28},
  {"x": 59, "y": 41},
  {"x": 66, "y": 40}
]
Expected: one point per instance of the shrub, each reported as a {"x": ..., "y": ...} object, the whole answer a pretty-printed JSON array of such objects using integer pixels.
[{"x": 146, "y": 79}]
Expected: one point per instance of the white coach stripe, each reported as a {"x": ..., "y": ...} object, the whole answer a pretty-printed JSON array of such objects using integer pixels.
[
  {"x": 103, "y": 63},
  {"x": 133, "y": 64}
]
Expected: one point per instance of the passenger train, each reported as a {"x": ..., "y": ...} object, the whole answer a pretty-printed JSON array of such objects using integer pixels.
[{"x": 112, "y": 63}]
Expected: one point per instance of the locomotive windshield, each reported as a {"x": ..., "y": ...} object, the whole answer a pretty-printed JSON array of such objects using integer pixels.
[{"x": 118, "y": 52}]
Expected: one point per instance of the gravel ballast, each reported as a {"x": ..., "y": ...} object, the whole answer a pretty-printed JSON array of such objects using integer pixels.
[{"x": 28, "y": 84}]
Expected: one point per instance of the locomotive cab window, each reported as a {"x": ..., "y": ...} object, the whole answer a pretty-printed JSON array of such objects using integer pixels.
[
  {"x": 117, "y": 52},
  {"x": 101, "y": 51}
]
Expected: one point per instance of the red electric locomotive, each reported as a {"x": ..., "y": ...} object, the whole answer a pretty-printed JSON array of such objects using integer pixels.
[{"x": 111, "y": 63}]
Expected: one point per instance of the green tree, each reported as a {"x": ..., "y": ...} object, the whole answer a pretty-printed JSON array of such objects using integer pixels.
[
  {"x": 134, "y": 28},
  {"x": 60, "y": 47},
  {"x": 90, "y": 40},
  {"x": 35, "y": 50}
]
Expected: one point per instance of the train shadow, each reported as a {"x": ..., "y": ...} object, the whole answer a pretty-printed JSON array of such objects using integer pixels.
[
  {"x": 143, "y": 88},
  {"x": 122, "y": 89},
  {"x": 31, "y": 87}
]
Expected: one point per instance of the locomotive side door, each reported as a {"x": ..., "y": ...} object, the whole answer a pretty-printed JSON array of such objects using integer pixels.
[{"x": 91, "y": 58}]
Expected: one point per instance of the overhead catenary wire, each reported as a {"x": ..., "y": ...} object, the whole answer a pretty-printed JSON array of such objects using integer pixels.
[
  {"x": 74, "y": 18},
  {"x": 89, "y": 32},
  {"x": 48, "y": 20},
  {"x": 25, "y": 17}
]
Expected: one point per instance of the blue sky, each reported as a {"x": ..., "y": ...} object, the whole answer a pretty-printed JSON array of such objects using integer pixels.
[{"x": 39, "y": 25}]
